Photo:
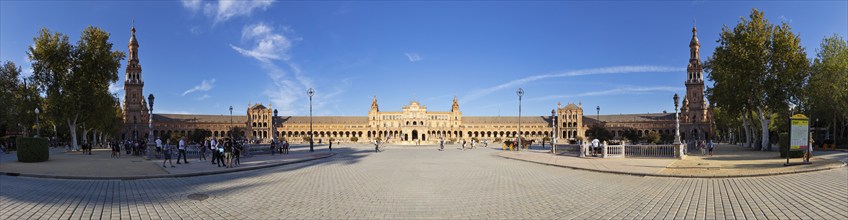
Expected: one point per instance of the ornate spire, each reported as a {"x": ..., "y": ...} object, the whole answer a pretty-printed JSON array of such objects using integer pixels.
[
  {"x": 694, "y": 41},
  {"x": 455, "y": 106},
  {"x": 374, "y": 106}
]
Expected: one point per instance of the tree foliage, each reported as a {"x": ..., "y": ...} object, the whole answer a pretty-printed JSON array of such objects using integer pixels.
[
  {"x": 76, "y": 78},
  {"x": 199, "y": 135},
  {"x": 599, "y": 132},
  {"x": 632, "y": 135},
  {"x": 828, "y": 86},
  {"x": 758, "y": 66}
]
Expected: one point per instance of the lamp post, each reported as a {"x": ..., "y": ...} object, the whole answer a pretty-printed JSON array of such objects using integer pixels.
[
  {"x": 231, "y": 123},
  {"x": 150, "y": 123},
  {"x": 150, "y": 142},
  {"x": 519, "y": 92},
  {"x": 598, "y": 114},
  {"x": 310, "y": 92},
  {"x": 553, "y": 131},
  {"x": 676, "y": 121},
  {"x": 37, "y": 128},
  {"x": 274, "y": 127}
]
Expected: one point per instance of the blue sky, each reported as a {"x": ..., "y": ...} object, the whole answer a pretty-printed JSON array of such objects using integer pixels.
[{"x": 203, "y": 56}]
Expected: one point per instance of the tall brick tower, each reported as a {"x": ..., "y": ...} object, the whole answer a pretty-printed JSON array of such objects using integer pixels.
[
  {"x": 695, "y": 112},
  {"x": 134, "y": 107}
]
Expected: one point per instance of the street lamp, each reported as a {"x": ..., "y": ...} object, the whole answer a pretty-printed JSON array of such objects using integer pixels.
[
  {"x": 519, "y": 92},
  {"x": 37, "y": 128},
  {"x": 150, "y": 123},
  {"x": 150, "y": 142},
  {"x": 310, "y": 92},
  {"x": 553, "y": 131},
  {"x": 274, "y": 127},
  {"x": 231, "y": 122},
  {"x": 676, "y": 121},
  {"x": 599, "y": 114}
]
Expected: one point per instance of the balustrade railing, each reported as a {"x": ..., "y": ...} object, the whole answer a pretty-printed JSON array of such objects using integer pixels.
[{"x": 663, "y": 151}]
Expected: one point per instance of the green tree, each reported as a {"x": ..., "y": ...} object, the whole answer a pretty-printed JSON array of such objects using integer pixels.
[
  {"x": 828, "y": 87},
  {"x": 199, "y": 135},
  {"x": 9, "y": 87},
  {"x": 599, "y": 132},
  {"x": 652, "y": 137},
  {"x": 76, "y": 78},
  {"x": 632, "y": 135},
  {"x": 758, "y": 67}
]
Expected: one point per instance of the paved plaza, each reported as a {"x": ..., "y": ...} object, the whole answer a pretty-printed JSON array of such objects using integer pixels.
[{"x": 421, "y": 182}]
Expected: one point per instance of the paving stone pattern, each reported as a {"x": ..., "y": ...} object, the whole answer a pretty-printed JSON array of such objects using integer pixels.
[{"x": 422, "y": 183}]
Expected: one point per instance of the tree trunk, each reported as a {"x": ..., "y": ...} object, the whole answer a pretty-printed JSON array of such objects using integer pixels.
[
  {"x": 764, "y": 123},
  {"x": 72, "y": 124},
  {"x": 747, "y": 124}
]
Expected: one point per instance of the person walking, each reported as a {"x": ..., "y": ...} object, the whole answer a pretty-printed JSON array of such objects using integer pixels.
[
  {"x": 442, "y": 144},
  {"x": 710, "y": 147},
  {"x": 182, "y": 151},
  {"x": 486, "y": 143},
  {"x": 228, "y": 153},
  {"x": 331, "y": 144},
  {"x": 158, "y": 148},
  {"x": 237, "y": 149},
  {"x": 220, "y": 160},
  {"x": 273, "y": 145},
  {"x": 167, "y": 151},
  {"x": 702, "y": 148},
  {"x": 202, "y": 150},
  {"x": 214, "y": 148},
  {"x": 376, "y": 146}
]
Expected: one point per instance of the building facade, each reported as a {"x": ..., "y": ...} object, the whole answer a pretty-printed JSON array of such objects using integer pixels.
[{"x": 414, "y": 123}]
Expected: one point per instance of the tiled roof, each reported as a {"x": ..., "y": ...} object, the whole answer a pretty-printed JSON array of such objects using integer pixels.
[
  {"x": 325, "y": 119},
  {"x": 198, "y": 118},
  {"x": 505, "y": 119}
]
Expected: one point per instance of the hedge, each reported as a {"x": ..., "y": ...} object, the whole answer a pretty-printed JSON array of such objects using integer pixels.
[{"x": 33, "y": 149}]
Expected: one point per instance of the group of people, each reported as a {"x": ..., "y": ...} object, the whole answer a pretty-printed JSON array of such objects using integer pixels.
[
  {"x": 225, "y": 152},
  {"x": 283, "y": 147},
  {"x": 131, "y": 147},
  {"x": 706, "y": 146}
]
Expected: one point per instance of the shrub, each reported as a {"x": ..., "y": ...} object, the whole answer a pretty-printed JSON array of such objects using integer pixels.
[
  {"x": 354, "y": 139},
  {"x": 33, "y": 149},
  {"x": 497, "y": 139}
]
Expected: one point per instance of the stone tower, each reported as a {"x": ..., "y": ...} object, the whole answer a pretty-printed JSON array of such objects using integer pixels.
[
  {"x": 134, "y": 107},
  {"x": 695, "y": 83}
]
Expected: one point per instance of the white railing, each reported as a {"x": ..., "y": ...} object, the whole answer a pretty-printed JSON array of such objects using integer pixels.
[
  {"x": 570, "y": 149},
  {"x": 613, "y": 151},
  {"x": 664, "y": 151}
]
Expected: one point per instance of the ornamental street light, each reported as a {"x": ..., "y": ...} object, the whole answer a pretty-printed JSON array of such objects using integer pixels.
[
  {"x": 676, "y": 121},
  {"x": 150, "y": 142},
  {"x": 598, "y": 114},
  {"x": 150, "y": 99},
  {"x": 231, "y": 123},
  {"x": 310, "y": 92},
  {"x": 37, "y": 128},
  {"x": 274, "y": 127},
  {"x": 519, "y": 92},
  {"x": 553, "y": 131}
]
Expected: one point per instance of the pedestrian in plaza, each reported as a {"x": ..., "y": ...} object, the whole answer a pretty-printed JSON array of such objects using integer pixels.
[
  {"x": 158, "y": 148},
  {"x": 220, "y": 160},
  {"x": 273, "y": 145},
  {"x": 702, "y": 147},
  {"x": 202, "y": 149},
  {"x": 442, "y": 144},
  {"x": 331, "y": 145},
  {"x": 228, "y": 153},
  {"x": 595, "y": 145},
  {"x": 214, "y": 148},
  {"x": 463, "y": 144},
  {"x": 167, "y": 151},
  {"x": 237, "y": 149},
  {"x": 808, "y": 153},
  {"x": 710, "y": 147},
  {"x": 376, "y": 146},
  {"x": 114, "y": 153},
  {"x": 486, "y": 143},
  {"x": 182, "y": 151}
]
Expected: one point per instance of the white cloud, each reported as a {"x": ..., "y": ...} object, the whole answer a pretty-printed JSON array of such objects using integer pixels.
[
  {"x": 413, "y": 57},
  {"x": 615, "y": 91},
  {"x": 268, "y": 45},
  {"x": 594, "y": 71},
  {"x": 115, "y": 88},
  {"x": 204, "y": 86},
  {"x": 191, "y": 4},
  {"x": 224, "y": 10},
  {"x": 204, "y": 97}
]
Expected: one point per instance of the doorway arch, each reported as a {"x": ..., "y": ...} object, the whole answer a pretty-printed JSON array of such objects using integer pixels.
[{"x": 414, "y": 134}]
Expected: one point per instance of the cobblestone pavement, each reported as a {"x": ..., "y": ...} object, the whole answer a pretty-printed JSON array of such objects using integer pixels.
[{"x": 411, "y": 183}]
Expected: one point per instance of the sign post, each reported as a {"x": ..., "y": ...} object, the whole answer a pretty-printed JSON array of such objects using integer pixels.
[{"x": 799, "y": 134}]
